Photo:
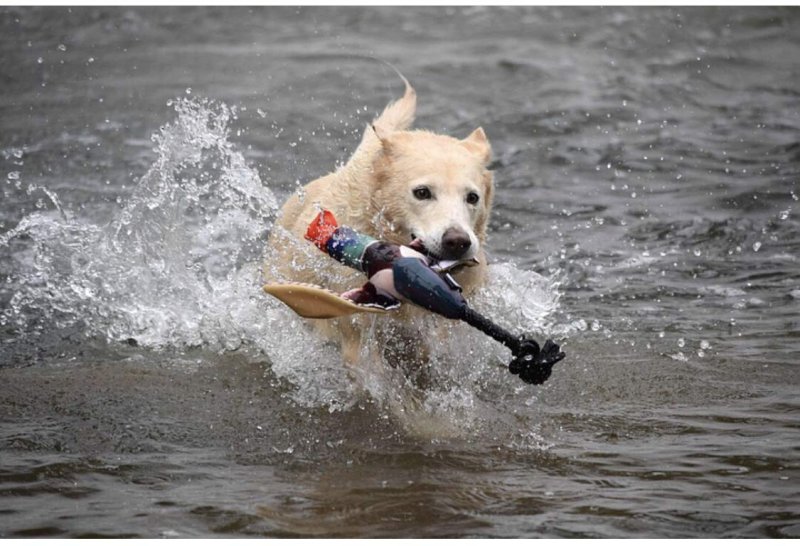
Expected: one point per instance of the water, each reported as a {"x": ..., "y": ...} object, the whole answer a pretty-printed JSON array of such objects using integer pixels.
[{"x": 647, "y": 163}]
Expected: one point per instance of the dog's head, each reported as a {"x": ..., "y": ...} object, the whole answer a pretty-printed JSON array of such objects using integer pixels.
[{"x": 434, "y": 188}]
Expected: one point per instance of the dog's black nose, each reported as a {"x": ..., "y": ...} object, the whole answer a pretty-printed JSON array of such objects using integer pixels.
[{"x": 455, "y": 243}]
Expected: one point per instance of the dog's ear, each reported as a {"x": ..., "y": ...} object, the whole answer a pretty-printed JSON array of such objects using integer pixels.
[
  {"x": 478, "y": 144},
  {"x": 382, "y": 134}
]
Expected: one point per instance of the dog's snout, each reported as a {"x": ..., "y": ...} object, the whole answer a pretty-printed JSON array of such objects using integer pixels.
[{"x": 455, "y": 243}]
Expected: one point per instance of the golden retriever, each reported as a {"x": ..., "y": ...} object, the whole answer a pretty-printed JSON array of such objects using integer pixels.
[{"x": 399, "y": 184}]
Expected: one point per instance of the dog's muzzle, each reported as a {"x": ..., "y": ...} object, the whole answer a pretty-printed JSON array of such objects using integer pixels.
[{"x": 455, "y": 243}]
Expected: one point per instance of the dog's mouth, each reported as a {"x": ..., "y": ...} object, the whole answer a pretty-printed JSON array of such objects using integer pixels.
[
  {"x": 439, "y": 262},
  {"x": 417, "y": 244}
]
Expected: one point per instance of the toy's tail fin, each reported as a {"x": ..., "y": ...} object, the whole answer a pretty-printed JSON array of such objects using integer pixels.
[{"x": 321, "y": 229}]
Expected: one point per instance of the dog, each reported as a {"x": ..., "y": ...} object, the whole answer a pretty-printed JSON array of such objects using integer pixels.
[{"x": 399, "y": 185}]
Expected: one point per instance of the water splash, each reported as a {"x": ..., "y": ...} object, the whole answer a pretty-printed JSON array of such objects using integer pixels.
[
  {"x": 179, "y": 267},
  {"x": 175, "y": 265},
  {"x": 468, "y": 387}
]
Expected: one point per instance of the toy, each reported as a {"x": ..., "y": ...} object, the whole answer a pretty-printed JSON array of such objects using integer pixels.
[{"x": 398, "y": 273}]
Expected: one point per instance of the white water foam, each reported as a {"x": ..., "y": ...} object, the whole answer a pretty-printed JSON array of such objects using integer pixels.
[{"x": 173, "y": 267}]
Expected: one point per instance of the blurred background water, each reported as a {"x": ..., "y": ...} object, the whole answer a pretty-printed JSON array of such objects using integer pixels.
[{"x": 647, "y": 164}]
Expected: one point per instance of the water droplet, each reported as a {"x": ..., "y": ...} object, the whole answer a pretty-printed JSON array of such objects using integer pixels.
[
  {"x": 188, "y": 90},
  {"x": 705, "y": 344},
  {"x": 784, "y": 215},
  {"x": 40, "y": 60},
  {"x": 697, "y": 252},
  {"x": 681, "y": 342},
  {"x": 261, "y": 112},
  {"x": 679, "y": 356},
  {"x": 62, "y": 47},
  {"x": 91, "y": 59},
  {"x": 13, "y": 175},
  {"x": 595, "y": 326},
  {"x": 756, "y": 246}
]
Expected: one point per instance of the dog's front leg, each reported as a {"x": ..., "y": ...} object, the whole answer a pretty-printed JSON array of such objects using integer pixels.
[
  {"x": 351, "y": 350},
  {"x": 347, "y": 334}
]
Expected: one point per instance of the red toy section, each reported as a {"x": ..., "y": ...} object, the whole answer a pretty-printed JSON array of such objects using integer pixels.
[{"x": 321, "y": 229}]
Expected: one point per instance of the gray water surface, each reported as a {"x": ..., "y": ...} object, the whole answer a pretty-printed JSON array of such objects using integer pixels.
[{"x": 647, "y": 164}]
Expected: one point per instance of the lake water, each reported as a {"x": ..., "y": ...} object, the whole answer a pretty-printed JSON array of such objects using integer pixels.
[{"x": 647, "y": 217}]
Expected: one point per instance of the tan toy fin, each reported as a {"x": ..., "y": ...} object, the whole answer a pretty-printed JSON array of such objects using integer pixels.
[{"x": 310, "y": 301}]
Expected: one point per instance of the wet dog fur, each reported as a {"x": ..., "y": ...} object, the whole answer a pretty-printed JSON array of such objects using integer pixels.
[{"x": 398, "y": 185}]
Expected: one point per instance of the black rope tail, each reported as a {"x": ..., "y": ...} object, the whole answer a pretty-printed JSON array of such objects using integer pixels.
[
  {"x": 532, "y": 363},
  {"x": 476, "y": 320}
]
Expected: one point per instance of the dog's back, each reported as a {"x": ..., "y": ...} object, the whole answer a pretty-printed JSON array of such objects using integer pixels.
[{"x": 346, "y": 192}]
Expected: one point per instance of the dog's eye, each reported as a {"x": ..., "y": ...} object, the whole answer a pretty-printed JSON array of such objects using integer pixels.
[
  {"x": 422, "y": 193},
  {"x": 473, "y": 198}
]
